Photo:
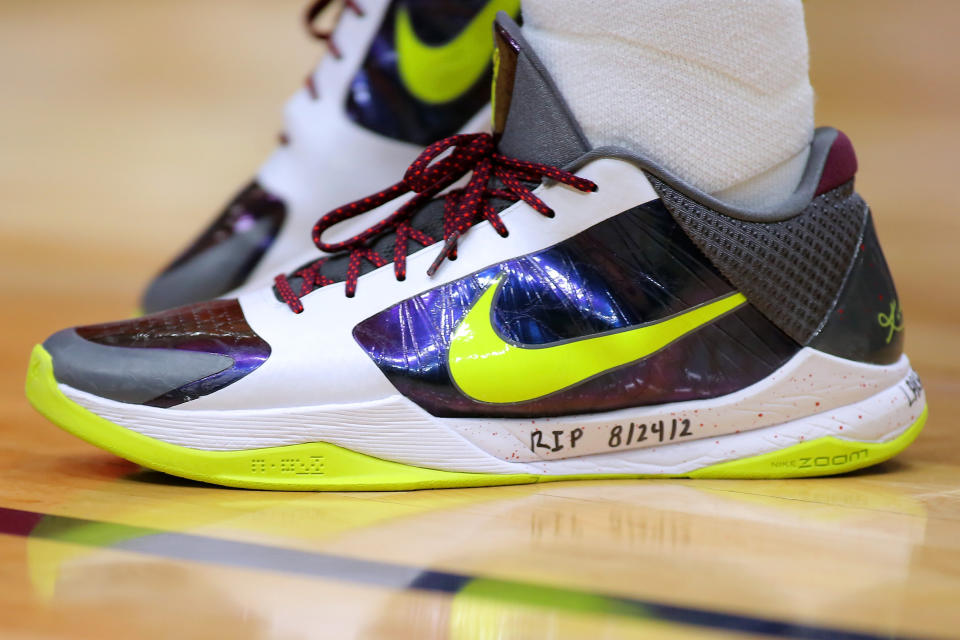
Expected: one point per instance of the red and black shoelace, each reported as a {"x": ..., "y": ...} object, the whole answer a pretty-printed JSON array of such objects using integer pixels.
[{"x": 494, "y": 176}]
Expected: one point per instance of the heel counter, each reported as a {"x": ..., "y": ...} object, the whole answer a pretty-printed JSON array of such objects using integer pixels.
[{"x": 866, "y": 321}]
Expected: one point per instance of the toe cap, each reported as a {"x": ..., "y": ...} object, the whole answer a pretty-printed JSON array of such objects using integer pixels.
[
  {"x": 127, "y": 374},
  {"x": 224, "y": 255},
  {"x": 160, "y": 360}
]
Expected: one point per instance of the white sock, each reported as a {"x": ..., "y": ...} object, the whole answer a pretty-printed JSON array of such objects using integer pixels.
[{"x": 717, "y": 92}]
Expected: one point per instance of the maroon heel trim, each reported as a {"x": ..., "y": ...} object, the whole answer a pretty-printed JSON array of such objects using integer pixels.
[{"x": 841, "y": 164}]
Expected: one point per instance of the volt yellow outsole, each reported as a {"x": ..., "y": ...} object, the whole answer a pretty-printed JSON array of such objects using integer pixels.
[{"x": 319, "y": 466}]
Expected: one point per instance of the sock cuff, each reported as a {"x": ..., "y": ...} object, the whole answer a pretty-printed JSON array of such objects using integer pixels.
[{"x": 718, "y": 95}]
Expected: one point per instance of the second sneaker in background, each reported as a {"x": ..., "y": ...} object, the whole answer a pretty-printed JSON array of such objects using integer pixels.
[{"x": 399, "y": 75}]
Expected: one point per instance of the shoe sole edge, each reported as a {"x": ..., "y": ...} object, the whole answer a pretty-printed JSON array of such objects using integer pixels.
[{"x": 320, "y": 466}]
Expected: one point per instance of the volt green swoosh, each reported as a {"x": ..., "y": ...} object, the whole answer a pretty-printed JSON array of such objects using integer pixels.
[
  {"x": 487, "y": 368},
  {"x": 438, "y": 74}
]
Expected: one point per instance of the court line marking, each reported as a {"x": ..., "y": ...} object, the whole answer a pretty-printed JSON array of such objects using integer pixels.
[{"x": 173, "y": 545}]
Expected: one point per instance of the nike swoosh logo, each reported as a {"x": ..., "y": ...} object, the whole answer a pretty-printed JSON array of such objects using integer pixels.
[
  {"x": 488, "y": 369},
  {"x": 438, "y": 74}
]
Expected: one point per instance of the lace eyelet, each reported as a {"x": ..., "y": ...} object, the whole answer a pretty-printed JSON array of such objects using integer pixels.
[{"x": 462, "y": 207}]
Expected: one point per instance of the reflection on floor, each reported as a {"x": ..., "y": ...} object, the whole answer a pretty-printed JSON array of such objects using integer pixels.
[{"x": 563, "y": 558}]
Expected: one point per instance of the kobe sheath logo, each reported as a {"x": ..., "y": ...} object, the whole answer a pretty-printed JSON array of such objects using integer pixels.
[
  {"x": 487, "y": 368},
  {"x": 440, "y": 73}
]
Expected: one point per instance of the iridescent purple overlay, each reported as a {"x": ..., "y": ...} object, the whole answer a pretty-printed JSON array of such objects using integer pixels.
[
  {"x": 634, "y": 268},
  {"x": 217, "y": 327},
  {"x": 378, "y": 99}
]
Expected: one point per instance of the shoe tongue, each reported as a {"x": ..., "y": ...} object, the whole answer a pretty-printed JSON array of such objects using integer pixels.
[{"x": 530, "y": 117}]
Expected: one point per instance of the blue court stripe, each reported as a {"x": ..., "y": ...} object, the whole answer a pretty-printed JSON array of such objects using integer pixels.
[{"x": 248, "y": 555}]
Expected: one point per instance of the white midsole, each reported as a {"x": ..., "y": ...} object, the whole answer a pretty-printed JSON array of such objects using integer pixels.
[{"x": 861, "y": 402}]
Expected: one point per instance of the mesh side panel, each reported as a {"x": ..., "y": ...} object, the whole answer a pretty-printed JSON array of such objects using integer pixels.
[{"x": 792, "y": 270}]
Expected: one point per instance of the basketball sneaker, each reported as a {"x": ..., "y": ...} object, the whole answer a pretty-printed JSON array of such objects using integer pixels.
[
  {"x": 400, "y": 74},
  {"x": 571, "y": 312}
]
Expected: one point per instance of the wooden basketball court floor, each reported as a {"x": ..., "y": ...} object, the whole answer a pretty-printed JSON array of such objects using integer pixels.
[{"x": 124, "y": 125}]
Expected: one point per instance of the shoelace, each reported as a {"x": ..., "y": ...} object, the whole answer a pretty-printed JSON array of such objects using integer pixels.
[
  {"x": 310, "y": 15},
  {"x": 427, "y": 177},
  {"x": 313, "y": 12}
]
